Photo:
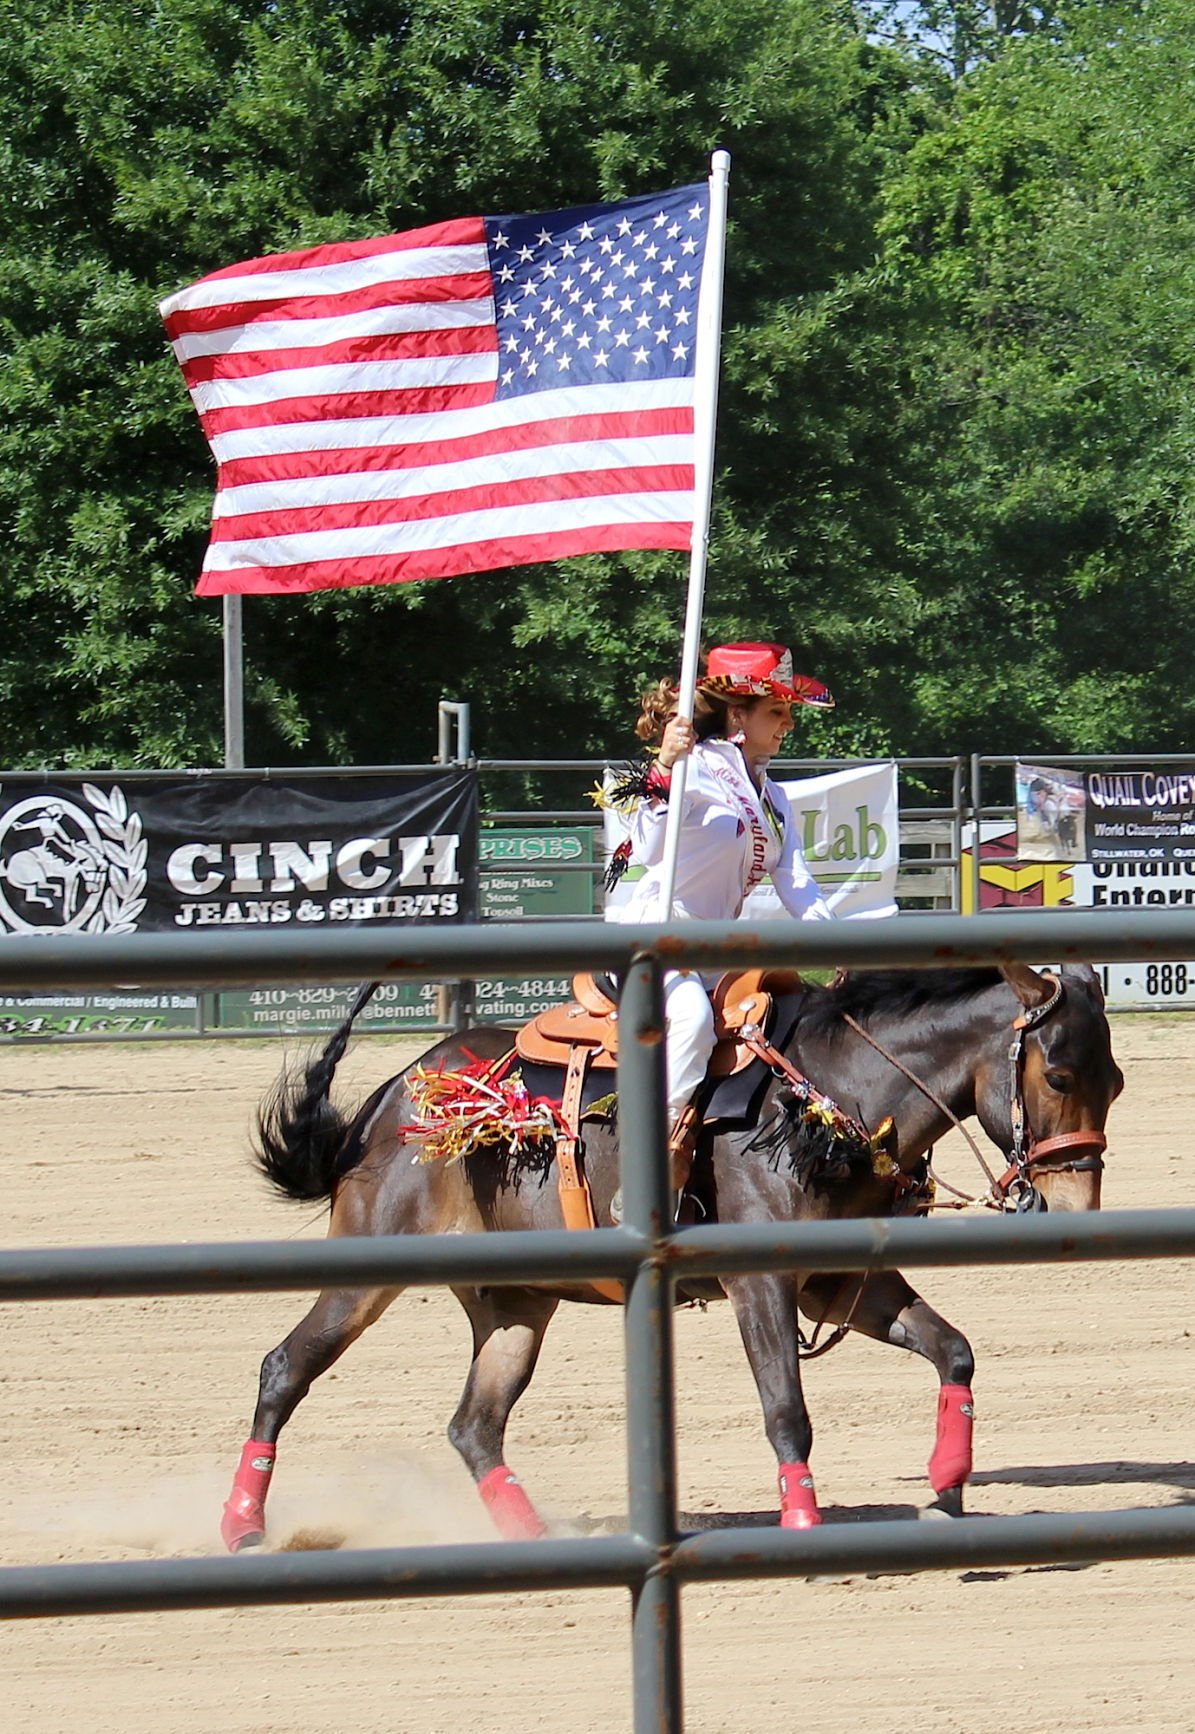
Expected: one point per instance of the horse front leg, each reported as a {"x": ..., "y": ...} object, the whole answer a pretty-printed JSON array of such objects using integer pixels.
[
  {"x": 890, "y": 1310},
  {"x": 766, "y": 1310},
  {"x": 287, "y": 1374},
  {"x": 508, "y": 1332}
]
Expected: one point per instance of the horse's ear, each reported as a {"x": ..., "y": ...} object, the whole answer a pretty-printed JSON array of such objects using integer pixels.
[
  {"x": 1088, "y": 978},
  {"x": 1030, "y": 988}
]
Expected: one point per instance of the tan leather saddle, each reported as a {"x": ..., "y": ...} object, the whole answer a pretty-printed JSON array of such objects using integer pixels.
[
  {"x": 740, "y": 999},
  {"x": 584, "y": 1035}
]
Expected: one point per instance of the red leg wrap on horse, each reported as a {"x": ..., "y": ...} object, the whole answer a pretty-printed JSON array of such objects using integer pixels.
[
  {"x": 798, "y": 1501},
  {"x": 950, "y": 1464},
  {"x": 244, "y": 1517},
  {"x": 515, "y": 1518}
]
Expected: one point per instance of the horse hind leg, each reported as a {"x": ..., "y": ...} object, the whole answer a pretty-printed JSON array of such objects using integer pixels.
[
  {"x": 891, "y": 1311},
  {"x": 508, "y": 1332},
  {"x": 287, "y": 1374}
]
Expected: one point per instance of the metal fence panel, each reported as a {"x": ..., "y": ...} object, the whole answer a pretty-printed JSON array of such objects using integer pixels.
[
  {"x": 653, "y": 1559},
  {"x": 425, "y": 953}
]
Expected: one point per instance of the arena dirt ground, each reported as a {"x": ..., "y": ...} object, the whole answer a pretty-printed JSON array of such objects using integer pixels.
[{"x": 123, "y": 1421}]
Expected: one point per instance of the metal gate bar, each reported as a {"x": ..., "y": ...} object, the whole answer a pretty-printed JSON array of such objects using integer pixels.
[
  {"x": 648, "y": 1324},
  {"x": 553, "y": 1255},
  {"x": 597, "y": 1562},
  {"x": 652, "y": 1559},
  {"x": 31, "y": 962}
]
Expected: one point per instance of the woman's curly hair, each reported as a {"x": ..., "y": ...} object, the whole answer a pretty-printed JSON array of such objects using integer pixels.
[{"x": 710, "y": 713}]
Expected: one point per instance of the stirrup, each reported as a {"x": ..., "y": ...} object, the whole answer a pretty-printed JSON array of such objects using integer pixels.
[
  {"x": 682, "y": 1141},
  {"x": 678, "y": 1199}
]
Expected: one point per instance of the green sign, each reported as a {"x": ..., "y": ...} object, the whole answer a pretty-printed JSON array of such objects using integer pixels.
[
  {"x": 515, "y": 999},
  {"x": 96, "y": 1014},
  {"x": 519, "y": 877},
  {"x": 396, "y": 1005}
]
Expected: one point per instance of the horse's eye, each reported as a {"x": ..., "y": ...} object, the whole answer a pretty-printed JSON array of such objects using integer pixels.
[{"x": 1061, "y": 1082}]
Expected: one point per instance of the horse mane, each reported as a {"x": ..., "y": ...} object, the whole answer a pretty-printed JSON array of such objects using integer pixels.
[{"x": 865, "y": 994}]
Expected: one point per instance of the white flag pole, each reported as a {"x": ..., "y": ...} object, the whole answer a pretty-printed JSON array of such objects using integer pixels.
[{"x": 705, "y": 415}]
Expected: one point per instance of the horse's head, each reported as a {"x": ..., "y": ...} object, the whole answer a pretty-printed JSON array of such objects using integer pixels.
[{"x": 1059, "y": 1084}]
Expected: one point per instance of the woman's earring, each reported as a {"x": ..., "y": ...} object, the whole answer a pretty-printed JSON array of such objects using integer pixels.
[{"x": 737, "y": 739}]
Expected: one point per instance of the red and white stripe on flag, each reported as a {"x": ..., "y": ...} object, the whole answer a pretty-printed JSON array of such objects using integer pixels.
[{"x": 476, "y": 394}]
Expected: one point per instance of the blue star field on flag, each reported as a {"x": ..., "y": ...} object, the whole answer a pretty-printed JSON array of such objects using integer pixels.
[{"x": 598, "y": 294}]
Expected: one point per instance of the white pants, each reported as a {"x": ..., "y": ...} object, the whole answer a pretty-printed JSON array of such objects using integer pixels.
[{"x": 689, "y": 1036}]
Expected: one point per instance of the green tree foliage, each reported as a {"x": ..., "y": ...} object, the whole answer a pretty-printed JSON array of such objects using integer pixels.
[
  {"x": 150, "y": 141},
  {"x": 1038, "y": 264},
  {"x": 954, "y": 433}
]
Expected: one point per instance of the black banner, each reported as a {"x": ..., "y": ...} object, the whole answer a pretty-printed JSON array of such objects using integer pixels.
[
  {"x": 1116, "y": 815},
  {"x": 1141, "y": 815},
  {"x": 102, "y": 854}
]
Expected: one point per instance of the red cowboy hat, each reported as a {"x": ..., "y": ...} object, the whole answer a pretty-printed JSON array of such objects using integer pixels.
[{"x": 761, "y": 671}]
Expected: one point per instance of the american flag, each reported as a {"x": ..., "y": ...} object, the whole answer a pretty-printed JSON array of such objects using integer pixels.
[{"x": 479, "y": 393}]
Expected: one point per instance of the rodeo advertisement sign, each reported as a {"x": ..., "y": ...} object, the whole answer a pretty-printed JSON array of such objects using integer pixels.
[
  {"x": 1116, "y": 815},
  {"x": 155, "y": 854}
]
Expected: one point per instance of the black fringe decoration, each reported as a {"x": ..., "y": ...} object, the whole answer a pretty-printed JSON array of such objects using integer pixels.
[
  {"x": 811, "y": 1148},
  {"x": 629, "y": 784}
]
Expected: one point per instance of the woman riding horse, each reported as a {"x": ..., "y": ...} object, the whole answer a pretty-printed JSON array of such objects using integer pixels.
[
  {"x": 858, "y": 1041},
  {"x": 736, "y": 827}
]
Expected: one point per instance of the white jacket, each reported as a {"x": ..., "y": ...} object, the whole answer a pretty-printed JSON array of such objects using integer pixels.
[{"x": 731, "y": 836}]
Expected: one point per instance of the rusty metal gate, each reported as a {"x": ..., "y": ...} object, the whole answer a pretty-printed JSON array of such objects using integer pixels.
[{"x": 653, "y": 1559}]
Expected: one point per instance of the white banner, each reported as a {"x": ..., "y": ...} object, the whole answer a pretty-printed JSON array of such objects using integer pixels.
[
  {"x": 1108, "y": 885},
  {"x": 849, "y": 830},
  {"x": 1140, "y": 885}
]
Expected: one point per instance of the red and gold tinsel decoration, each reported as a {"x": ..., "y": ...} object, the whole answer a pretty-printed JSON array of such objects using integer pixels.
[{"x": 481, "y": 1103}]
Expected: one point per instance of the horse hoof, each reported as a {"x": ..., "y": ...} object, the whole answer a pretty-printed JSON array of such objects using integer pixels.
[
  {"x": 942, "y": 1510},
  {"x": 247, "y": 1543},
  {"x": 242, "y": 1529},
  {"x": 800, "y": 1519}
]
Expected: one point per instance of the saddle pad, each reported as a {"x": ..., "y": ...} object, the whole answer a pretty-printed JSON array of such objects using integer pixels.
[
  {"x": 737, "y": 1097},
  {"x": 548, "y": 1080}
]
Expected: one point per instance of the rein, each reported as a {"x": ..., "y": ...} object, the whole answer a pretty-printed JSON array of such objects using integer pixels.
[
  {"x": 932, "y": 1096},
  {"x": 907, "y": 1188},
  {"x": 1014, "y": 1189}
]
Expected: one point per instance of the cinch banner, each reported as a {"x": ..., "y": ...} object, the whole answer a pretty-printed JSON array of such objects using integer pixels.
[
  {"x": 1139, "y": 815},
  {"x": 155, "y": 854},
  {"x": 848, "y": 824}
]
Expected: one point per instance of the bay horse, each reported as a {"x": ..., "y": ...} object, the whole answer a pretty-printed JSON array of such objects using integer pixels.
[{"x": 1028, "y": 1053}]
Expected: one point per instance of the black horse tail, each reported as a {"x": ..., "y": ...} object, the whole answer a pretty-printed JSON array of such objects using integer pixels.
[{"x": 299, "y": 1131}]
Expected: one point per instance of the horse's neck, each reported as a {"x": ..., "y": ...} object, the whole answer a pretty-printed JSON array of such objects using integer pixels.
[{"x": 871, "y": 1078}]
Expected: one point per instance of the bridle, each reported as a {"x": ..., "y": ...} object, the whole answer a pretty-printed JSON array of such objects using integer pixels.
[{"x": 1014, "y": 1190}]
